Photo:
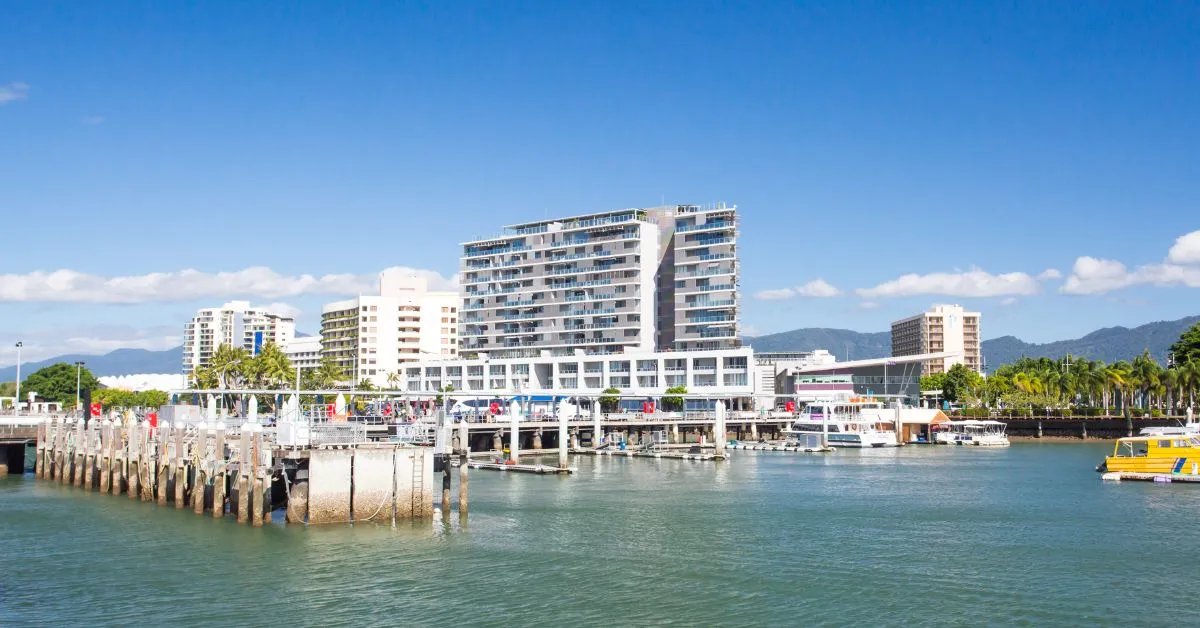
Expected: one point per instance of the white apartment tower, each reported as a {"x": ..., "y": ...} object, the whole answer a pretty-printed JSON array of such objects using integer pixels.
[
  {"x": 943, "y": 328},
  {"x": 370, "y": 337},
  {"x": 235, "y": 324},
  {"x": 623, "y": 281}
]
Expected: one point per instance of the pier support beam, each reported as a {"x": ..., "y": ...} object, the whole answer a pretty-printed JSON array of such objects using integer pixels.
[
  {"x": 563, "y": 441},
  {"x": 297, "y": 506},
  {"x": 719, "y": 436},
  {"x": 514, "y": 413},
  {"x": 464, "y": 457}
]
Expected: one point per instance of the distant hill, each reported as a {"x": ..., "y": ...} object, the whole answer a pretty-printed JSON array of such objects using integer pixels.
[
  {"x": 118, "y": 362},
  {"x": 840, "y": 342},
  {"x": 1109, "y": 344}
]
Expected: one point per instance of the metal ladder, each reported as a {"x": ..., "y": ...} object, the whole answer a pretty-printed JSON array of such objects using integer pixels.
[{"x": 417, "y": 484}]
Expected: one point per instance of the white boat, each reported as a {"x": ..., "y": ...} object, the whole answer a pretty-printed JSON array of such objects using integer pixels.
[
  {"x": 840, "y": 424},
  {"x": 974, "y": 433}
]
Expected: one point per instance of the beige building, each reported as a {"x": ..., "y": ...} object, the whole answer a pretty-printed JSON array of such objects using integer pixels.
[
  {"x": 944, "y": 328},
  {"x": 372, "y": 336}
]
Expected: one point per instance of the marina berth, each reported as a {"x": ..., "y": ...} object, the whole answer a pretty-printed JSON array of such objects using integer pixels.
[{"x": 847, "y": 423}]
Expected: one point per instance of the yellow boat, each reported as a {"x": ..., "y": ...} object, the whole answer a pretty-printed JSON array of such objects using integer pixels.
[{"x": 1163, "y": 454}]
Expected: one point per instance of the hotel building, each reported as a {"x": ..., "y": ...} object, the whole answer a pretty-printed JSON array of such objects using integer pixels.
[
  {"x": 944, "y": 328},
  {"x": 235, "y": 324},
  {"x": 372, "y": 336}
]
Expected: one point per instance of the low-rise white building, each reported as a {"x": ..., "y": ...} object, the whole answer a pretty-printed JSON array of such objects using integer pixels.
[
  {"x": 304, "y": 352},
  {"x": 717, "y": 372}
]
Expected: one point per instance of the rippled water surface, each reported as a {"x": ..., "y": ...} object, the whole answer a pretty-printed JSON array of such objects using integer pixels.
[{"x": 936, "y": 535}]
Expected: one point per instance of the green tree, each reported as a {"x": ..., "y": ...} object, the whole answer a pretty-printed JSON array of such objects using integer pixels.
[
  {"x": 57, "y": 383},
  {"x": 230, "y": 365},
  {"x": 1187, "y": 348},
  {"x": 328, "y": 375},
  {"x": 673, "y": 403},
  {"x": 933, "y": 381},
  {"x": 8, "y": 389},
  {"x": 609, "y": 400},
  {"x": 444, "y": 389},
  {"x": 960, "y": 383},
  {"x": 273, "y": 367}
]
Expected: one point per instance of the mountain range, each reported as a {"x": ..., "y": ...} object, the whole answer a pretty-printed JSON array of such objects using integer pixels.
[
  {"x": 1109, "y": 344},
  {"x": 118, "y": 362}
]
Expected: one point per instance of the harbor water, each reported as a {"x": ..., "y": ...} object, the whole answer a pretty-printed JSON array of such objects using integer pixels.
[{"x": 1027, "y": 535}]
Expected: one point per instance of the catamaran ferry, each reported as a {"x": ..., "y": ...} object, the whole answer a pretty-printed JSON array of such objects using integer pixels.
[{"x": 842, "y": 424}]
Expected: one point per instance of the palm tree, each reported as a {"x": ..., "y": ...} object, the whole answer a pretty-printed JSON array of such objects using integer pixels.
[
  {"x": 274, "y": 366},
  {"x": 1148, "y": 373},
  {"x": 1113, "y": 381},
  {"x": 329, "y": 374},
  {"x": 393, "y": 380},
  {"x": 225, "y": 364}
]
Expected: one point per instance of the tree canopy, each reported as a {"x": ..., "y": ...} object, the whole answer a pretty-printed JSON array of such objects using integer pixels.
[
  {"x": 57, "y": 383},
  {"x": 1187, "y": 348},
  {"x": 674, "y": 403}
]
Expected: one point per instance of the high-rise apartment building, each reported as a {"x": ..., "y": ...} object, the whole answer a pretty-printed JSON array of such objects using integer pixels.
[
  {"x": 944, "y": 328},
  {"x": 371, "y": 336},
  {"x": 630, "y": 280},
  {"x": 235, "y": 324}
]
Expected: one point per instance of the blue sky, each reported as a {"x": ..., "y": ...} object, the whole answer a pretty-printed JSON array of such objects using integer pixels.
[{"x": 975, "y": 146}]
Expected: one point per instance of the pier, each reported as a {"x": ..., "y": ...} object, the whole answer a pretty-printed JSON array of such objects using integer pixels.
[{"x": 239, "y": 469}]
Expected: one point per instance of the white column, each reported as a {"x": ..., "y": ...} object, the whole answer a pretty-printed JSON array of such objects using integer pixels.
[
  {"x": 719, "y": 429},
  {"x": 562, "y": 440},
  {"x": 514, "y": 413},
  {"x": 596, "y": 433}
]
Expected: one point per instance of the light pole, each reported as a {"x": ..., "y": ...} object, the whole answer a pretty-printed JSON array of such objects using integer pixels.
[
  {"x": 17, "y": 404},
  {"x": 78, "y": 371}
]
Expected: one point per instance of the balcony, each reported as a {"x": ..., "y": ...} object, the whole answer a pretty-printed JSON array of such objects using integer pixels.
[{"x": 706, "y": 226}]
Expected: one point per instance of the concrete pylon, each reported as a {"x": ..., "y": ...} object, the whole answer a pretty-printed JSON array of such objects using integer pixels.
[
  {"x": 719, "y": 437},
  {"x": 597, "y": 435},
  {"x": 514, "y": 414},
  {"x": 562, "y": 440}
]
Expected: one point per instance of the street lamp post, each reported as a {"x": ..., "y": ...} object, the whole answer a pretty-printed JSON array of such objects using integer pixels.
[
  {"x": 17, "y": 403},
  {"x": 78, "y": 371}
]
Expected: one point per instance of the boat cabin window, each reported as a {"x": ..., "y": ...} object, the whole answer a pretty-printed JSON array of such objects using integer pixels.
[
  {"x": 1164, "y": 444},
  {"x": 1131, "y": 449}
]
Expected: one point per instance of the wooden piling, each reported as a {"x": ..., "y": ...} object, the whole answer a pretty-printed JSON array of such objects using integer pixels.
[
  {"x": 243, "y": 497},
  {"x": 39, "y": 445},
  {"x": 162, "y": 465},
  {"x": 118, "y": 476},
  {"x": 180, "y": 483},
  {"x": 218, "y": 505}
]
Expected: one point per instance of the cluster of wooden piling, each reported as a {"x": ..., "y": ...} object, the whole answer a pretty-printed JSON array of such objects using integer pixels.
[
  {"x": 207, "y": 468},
  {"x": 219, "y": 470}
]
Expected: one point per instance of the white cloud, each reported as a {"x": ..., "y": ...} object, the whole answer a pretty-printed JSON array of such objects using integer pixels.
[
  {"x": 1049, "y": 274},
  {"x": 13, "y": 91},
  {"x": 70, "y": 286},
  {"x": 1091, "y": 276},
  {"x": 283, "y": 309},
  {"x": 973, "y": 283},
  {"x": 868, "y": 305},
  {"x": 92, "y": 120},
  {"x": 94, "y": 340},
  {"x": 1186, "y": 249},
  {"x": 775, "y": 295},
  {"x": 815, "y": 289}
]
